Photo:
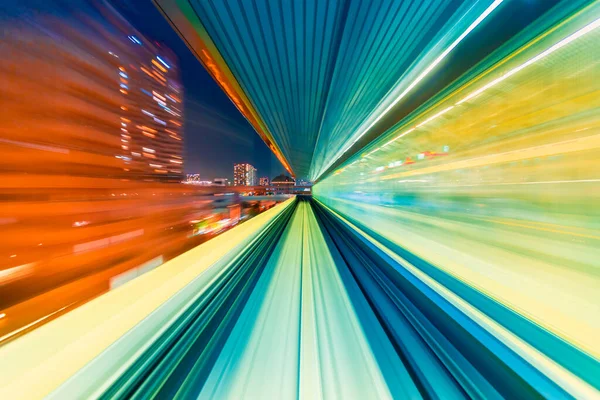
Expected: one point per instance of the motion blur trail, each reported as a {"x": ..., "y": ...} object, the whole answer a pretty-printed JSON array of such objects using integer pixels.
[
  {"x": 318, "y": 307},
  {"x": 451, "y": 249}
]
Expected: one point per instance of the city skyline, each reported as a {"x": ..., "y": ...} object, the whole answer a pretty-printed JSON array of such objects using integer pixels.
[
  {"x": 199, "y": 178},
  {"x": 216, "y": 134}
]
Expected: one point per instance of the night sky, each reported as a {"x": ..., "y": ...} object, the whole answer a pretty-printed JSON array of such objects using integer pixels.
[{"x": 216, "y": 134}]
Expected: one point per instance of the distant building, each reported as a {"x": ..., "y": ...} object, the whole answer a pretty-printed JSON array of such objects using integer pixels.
[
  {"x": 192, "y": 178},
  {"x": 283, "y": 184},
  {"x": 303, "y": 187},
  {"x": 252, "y": 177},
  {"x": 220, "y": 182},
  {"x": 264, "y": 181},
  {"x": 303, "y": 182},
  {"x": 244, "y": 175}
]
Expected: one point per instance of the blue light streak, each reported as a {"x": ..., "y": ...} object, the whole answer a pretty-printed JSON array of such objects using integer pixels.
[
  {"x": 163, "y": 62},
  {"x": 134, "y": 40}
]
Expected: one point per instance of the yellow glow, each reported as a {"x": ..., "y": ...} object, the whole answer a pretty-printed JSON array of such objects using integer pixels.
[
  {"x": 157, "y": 65},
  {"x": 34, "y": 365}
]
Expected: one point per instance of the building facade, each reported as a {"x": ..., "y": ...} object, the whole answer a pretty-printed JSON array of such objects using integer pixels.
[
  {"x": 283, "y": 184},
  {"x": 244, "y": 175},
  {"x": 151, "y": 126},
  {"x": 264, "y": 181},
  {"x": 68, "y": 76}
]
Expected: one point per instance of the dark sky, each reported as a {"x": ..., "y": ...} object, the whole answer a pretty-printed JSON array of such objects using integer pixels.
[{"x": 216, "y": 134}]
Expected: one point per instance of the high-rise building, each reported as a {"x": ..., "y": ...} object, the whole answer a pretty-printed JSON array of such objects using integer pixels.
[
  {"x": 244, "y": 175},
  {"x": 151, "y": 110},
  {"x": 264, "y": 181},
  {"x": 239, "y": 174}
]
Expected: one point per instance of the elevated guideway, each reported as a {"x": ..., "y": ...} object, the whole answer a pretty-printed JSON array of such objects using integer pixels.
[{"x": 297, "y": 303}]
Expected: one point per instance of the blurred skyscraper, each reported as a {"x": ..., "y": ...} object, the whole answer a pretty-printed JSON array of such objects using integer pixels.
[
  {"x": 151, "y": 110},
  {"x": 90, "y": 110}
]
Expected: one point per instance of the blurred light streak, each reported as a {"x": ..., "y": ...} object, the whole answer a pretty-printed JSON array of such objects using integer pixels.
[
  {"x": 444, "y": 111},
  {"x": 72, "y": 173},
  {"x": 479, "y": 278},
  {"x": 552, "y": 149},
  {"x": 14, "y": 273},
  {"x": 583, "y": 31},
  {"x": 509, "y": 210},
  {"x": 36, "y": 146},
  {"x": 413, "y": 84},
  {"x": 575, "y": 386},
  {"x": 135, "y": 40},
  {"x": 163, "y": 69},
  {"x": 36, "y": 364},
  {"x": 163, "y": 62},
  {"x": 32, "y": 324}
]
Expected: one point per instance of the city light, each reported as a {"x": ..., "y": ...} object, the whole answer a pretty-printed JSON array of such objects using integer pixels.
[
  {"x": 163, "y": 62},
  {"x": 134, "y": 39}
]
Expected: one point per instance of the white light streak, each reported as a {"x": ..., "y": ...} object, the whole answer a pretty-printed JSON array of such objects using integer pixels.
[
  {"x": 583, "y": 31},
  {"x": 557, "y": 46},
  {"x": 425, "y": 72},
  {"x": 163, "y": 62},
  {"x": 435, "y": 116},
  {"x": 52, "y": 149},
  {"x": 78, "y": 224}
]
